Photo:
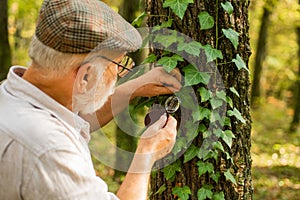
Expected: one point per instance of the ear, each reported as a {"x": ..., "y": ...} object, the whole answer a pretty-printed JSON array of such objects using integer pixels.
[{"x": 82, "y": 78}]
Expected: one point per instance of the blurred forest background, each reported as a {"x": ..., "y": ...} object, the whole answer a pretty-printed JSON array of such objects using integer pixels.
[{"x": 274, "y": 67}]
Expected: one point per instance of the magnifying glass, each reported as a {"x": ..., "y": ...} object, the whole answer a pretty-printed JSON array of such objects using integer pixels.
[{"x": 171, "y": 105}]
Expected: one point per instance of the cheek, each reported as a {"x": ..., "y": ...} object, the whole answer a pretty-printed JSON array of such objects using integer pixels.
[{"x": 109, "y": 77}]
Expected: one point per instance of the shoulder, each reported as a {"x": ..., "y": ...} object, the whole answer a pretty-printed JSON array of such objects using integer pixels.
[{"x": 37, "y": 130}]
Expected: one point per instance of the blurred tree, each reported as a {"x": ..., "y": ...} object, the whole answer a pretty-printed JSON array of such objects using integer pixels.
[
  {"x": 5, "y": 54},
  {"x": 182, "y": 180},
  {"x": 22, "y": 15},
  {"x": 296, "y": 116},
  {"x": 261, "y": 49}
]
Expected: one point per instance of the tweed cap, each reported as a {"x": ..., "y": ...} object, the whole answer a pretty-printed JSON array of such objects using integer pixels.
[{"x": 81, "y": 26}]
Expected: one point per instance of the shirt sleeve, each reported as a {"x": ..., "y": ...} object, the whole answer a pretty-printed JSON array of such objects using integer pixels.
[{"x": 65, "y": 174}]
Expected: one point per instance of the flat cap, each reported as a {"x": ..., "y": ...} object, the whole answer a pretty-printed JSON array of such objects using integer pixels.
[{"x": 80, "y": 26}]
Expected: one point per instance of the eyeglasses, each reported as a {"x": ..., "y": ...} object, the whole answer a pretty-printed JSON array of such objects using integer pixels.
[{"x": 124, "y": 66}]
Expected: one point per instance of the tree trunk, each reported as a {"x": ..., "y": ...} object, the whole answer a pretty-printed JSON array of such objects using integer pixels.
[
  {"x": 5, "y": 55},
  {"x": 261, "y": 51},
  {"x": 296, "y": 116},
  {"x": 161, "y": 188}
]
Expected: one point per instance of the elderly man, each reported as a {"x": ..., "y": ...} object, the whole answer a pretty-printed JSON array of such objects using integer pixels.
[{"x": 46, "y": 110}]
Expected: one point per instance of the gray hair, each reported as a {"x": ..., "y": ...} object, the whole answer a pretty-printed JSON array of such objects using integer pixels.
[{"x": 55, "y": 63}]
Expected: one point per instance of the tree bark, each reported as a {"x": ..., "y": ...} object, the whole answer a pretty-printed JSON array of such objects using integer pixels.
[
  {"x": 5, "y": 54},
  {"x": 232, "y": 77}
]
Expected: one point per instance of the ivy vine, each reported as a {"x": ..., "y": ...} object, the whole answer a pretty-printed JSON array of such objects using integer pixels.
[{"x": 211, "y": 101}]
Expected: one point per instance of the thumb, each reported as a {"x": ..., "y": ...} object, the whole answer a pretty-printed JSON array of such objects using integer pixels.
[{"x": 160, "y": 123}]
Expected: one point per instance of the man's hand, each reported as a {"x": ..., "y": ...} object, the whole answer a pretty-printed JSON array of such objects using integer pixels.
[
  {"x": 157, "y": 82},
  {"x": 158, "y": 140}
]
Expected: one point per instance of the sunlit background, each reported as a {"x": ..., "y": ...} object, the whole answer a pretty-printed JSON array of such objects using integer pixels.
[{"x": 275, "y": 151}]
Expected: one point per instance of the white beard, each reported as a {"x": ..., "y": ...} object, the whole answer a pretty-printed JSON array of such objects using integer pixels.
[{"x": 93, "y": 99}]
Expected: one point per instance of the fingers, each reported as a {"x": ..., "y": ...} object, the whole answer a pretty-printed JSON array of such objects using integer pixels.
[
  {"x": 160, "y": 123},
  {"x": 171, "y": 80},
  {"x": 171, "y": 124}
]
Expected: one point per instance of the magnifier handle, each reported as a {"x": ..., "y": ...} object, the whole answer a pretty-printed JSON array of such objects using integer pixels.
[{"x": 153, "y": 116}]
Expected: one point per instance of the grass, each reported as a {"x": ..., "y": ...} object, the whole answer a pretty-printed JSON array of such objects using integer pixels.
[{"x": 275, "y": 154}]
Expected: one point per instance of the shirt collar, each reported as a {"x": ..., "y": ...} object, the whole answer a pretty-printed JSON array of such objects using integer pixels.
[{"x": 21, "y": 88}]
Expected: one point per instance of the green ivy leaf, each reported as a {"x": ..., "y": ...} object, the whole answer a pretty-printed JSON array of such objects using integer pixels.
[
  {"x": 165, "y": 40},
  {"x": 206, "y": 20},
  {"x": 165, "y": 24},
  {"x": 201, "y": 114},
  {"x": 219, "y": 196},
  {"x": 183, "y": 193},
  {"x": 240, "y": 64},
  {"x": 191, "y": 133},
  {"x": 178, "y": 6},
  {"x": 230, "y": 177},
  {"x": 227, "y": 121},
  {"x": 215, "y": 176},
  {"x": 150, "y": 59},
  {"x": 139, "y": 20},
  {"x": 194, "y": 77},
  {"x": 221, "y": 95},
  {"x": 215, "y": 116},
  {"x": 179, "y": 145},
  {"x": 218, "y": 145},
  {"x": 216, "y": 102},
  {"x": 202, "y": 128},
  {"x": 228, "y": 7},
  {"x": 204, "y": 94},
  {"x": 229, "y": 101},
  {"x": 186, "y": 99},
  {"x": 205, "y": 192},
  {"x": 227, "y": 137},
  {"x": 204, "y": 167},
  {"x": 191, "y": 153},
  {"x": 232, "y": 35},
  {"x": 169, "y": 63},
  {"x": 192, "y": 48},
  {"x": 211, "y": 53},
  {"x": 161, "y": 189},
  {"x": 235, "y": 112},
  {"x": 233, "y": 90},
  {"x": 170, "y": 170}
]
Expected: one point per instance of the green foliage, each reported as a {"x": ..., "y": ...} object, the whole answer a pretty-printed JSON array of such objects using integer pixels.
[
  {"x": 192, "y": 48},
  {"x": 191, "y": 153},
  {"x": 228, "y": 7},
  {"x": 194, "y": 77},
  {"x": 240, "y": 64},
  {"x": 232, "y": 35},
  {"x": 219, "y": 196},
  {"x": 211, "y": 53},
  {"x": 170, "y": 170},
  {"x": 182, "y": 192},
  {"x": 235, "y": 112},
  {"x": 178, "y": 6},
  {"x": 169, "y": 63},
  {"x": 139, "y": 20},
  {"x": 206, "y": 20},
  {"x": 205, "y": 167},
  {"x": 205, "y": 192},
  {"x": 161, "y": 189},
  {"x": 218, "y": 138},
  {"x": 230, "y": 177}
]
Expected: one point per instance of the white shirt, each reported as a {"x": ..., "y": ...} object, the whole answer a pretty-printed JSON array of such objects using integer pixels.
[{"x": 43, "y": 147}]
